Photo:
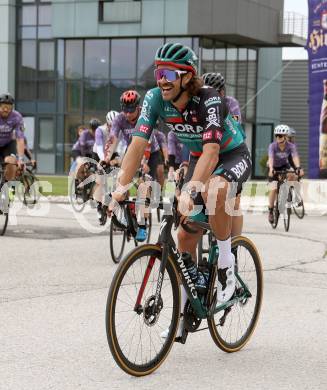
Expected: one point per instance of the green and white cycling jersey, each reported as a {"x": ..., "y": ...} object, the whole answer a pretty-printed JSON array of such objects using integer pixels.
[{"x": 205, "y": 119}]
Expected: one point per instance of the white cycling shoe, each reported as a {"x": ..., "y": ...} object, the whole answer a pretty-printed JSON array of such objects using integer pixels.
[
  {"x": 179, "y": 332},
  {"x": 226, "y": 283}
]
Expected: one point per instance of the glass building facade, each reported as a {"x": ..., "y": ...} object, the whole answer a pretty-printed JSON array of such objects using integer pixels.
[{"x": 62, "y": 83}]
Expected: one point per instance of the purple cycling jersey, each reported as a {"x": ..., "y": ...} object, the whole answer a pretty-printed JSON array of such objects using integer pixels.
[
  {"x": 175, "y": 147},
  {"x": 123, "y": 130},
  {"x": 76, "y": 145},
  {"x": 86, "y": 142},
  {"x": 11, "y": 128},
  {"x": 234, "y": 108},
  {"x": 161, "y": 138},
  {"x": 280, "y": 157}
]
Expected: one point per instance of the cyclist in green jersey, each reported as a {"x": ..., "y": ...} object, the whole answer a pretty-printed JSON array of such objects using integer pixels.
[{"x": 219, "y": 157}]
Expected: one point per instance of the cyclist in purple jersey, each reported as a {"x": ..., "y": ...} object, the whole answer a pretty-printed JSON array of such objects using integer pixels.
[
  {"x": 102, "y": 135},
  {"x": 76, "y": 149},
  {"x": 217, "y": 81},
  {"x": 11, "y": 136},
  {"x": 124, "y": 123},
  {"x": 279, "y": 153}
]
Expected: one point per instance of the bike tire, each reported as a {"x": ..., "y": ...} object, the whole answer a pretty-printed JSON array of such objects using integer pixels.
[
  {"x": 30, "y": 193},
  {"x": 125, "y": 315},
  {"x": 287, "y": 212},
  {"x": 116, "y": 254},
  {"x": 275, "y": 215},
  {"x": 149, "y": 228},
  {"x": 299, "y": 209},
  {"x": 75, "y": 200},
  {"x": 4, "y": 214},
  {"x": 222, "y": 334}
]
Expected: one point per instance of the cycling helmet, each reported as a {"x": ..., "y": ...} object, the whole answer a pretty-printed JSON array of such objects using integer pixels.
[
  {"x": 178, "y": 56},
  {"x": 129, "y": 100},
  {"x": 94, "y": 123},
  {"x": 282, "y": 130},
  {"x": 111, "y": 115},
  {"x": 215, "y": 80},
  {"x": 6, "y": 98}
]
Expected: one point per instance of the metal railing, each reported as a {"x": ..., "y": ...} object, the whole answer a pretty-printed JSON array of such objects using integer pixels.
[{"x": 292, "y": 23}]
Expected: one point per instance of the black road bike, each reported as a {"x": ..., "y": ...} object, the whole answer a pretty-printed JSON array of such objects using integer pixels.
[{"x": 144, "y": 300}]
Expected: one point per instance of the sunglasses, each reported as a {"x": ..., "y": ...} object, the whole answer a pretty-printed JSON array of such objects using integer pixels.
[
  {"x": 168, "y": 74},
  {"x": 280, "y": 136}
]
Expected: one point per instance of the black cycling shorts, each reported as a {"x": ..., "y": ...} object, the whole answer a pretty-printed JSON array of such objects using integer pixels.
[
  {"x": 153, "y": 162},
  {"x": 7, "y": 150},
  {"x": 234, "y": 166}
]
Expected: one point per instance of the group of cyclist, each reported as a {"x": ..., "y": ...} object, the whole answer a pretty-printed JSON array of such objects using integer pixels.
[{"x": 202, "y": 122}]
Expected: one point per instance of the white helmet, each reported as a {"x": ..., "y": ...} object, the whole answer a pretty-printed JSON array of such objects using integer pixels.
[
  {"x": 111, "y": 115},
  {"x": 292, "y": 132},
  {"x": 282, "y": 130}
]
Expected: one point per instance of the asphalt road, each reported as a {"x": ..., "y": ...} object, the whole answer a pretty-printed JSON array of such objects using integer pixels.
[{"x": 54, "y": 281}]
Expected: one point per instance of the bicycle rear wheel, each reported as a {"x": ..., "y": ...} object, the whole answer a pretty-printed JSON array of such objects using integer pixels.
[
  {"x": 233, "y": 327},
  {"x": 297, "y": 203},
  {"x": 117, "y": 240},
  {"x": 133, "y": 330}
]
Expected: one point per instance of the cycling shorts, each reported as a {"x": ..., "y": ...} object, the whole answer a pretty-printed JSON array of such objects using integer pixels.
[
  {"x": 7, "y": 150},
  {"x": 234, "y": 166}
]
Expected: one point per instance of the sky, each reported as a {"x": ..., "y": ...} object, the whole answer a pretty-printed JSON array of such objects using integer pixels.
[{"x": 300, "y": 7}]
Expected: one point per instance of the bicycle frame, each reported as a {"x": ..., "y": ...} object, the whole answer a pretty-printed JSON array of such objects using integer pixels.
[{"x": 200, "y": 303}]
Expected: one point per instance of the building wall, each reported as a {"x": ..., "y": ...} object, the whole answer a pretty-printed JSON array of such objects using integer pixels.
[
  {"x": 269, "y": 80},
  {"x": 72, "y": 18},
  {"x": 294, "y": 101},
  {"x": 7, "y": 45},
  {"x": 237, "y": 21}
]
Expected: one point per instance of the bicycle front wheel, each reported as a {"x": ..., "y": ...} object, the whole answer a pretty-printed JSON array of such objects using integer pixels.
[
  {"x": 287, "y": 211},
  {"x": 233, "y": 327},
  {"x": 117, "y": 240},
  {"x": 4, "y": 210},
  {"x": 297, "y": 204},
  {"x": 133, "y": 329}
]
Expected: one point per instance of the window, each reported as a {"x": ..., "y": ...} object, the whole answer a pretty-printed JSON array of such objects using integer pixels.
[
  {"x": 46, "y": 134},
  {"x": 96, "y": 95},
  {"x": 27, "y": 59},
  {"x": 123, "y": 58},
  {"x": 96, "y": 59},
  {"x": 145, "y": 58},
  {"x": 46, "y": 59},
  {"x": 73, "y": 59}
]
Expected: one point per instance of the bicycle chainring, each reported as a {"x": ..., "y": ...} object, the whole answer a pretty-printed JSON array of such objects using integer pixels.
[{"x": 191, "y": 321}]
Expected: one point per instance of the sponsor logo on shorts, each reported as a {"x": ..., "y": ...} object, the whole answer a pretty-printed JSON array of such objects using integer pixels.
[{"x": 240, "y": 168}]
